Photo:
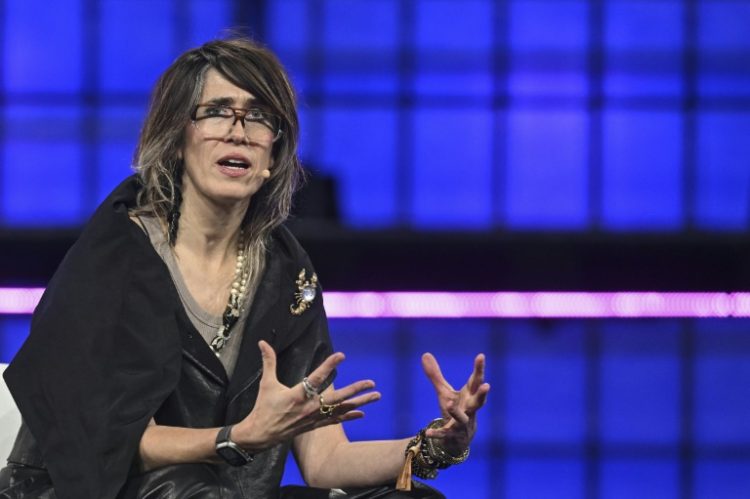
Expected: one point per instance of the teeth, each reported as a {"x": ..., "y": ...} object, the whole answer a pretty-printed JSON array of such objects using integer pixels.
[{"x": 233, "y": 163}]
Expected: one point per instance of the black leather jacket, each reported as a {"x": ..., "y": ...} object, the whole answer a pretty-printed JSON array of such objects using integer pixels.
[{"x": 111, "y": 347}]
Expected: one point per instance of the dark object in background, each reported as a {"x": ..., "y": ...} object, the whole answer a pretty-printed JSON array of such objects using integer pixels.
[
  {"x": 317, "y": 200},
  {"x": 468, "y": 261}
]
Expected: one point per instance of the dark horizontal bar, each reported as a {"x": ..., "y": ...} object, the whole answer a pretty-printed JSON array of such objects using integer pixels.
[{"x": 466, "y": 261}]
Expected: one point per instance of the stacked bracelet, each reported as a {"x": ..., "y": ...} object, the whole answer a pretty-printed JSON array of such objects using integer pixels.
[
  {"x": 419, "y": 466},
  {"x": 431, "y": 456},
  {"x": 437, "y": 454}
]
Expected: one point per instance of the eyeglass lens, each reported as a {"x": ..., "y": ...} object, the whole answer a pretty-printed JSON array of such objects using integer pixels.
[{"x": 221, "y": 126}]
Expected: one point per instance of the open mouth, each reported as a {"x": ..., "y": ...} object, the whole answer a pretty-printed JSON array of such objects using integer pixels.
[{"x": 234, "y": 163}]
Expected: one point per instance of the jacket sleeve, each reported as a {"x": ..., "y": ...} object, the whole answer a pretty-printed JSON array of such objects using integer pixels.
[{"x": 102, "y": 354}]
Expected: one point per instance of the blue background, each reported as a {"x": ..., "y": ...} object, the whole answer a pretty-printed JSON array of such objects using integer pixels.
[
  {"x": 621, "y": 115},
  {"x": 638, "y": 408},
  {"x": 526, "y": 115}
]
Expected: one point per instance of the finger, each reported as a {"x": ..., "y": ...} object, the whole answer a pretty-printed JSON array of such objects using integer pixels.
[
  {"x": 452, "y": 430},
  {"x": 457, "y": 414},
  {"x": 269, "y": 361},
  {"x": 324, "y": 370},
  {"x": 348, "y": 391},
  {"x": 437, "y": 433},
  {"x": 477, "y": 401},
  {"x": 308, "y": 390},
  {"x": 434, "y": 374},
  {"x": 340, "y": 418},
  {"x": 350, "y": 416},
  {"x": 349, "y": 407},
  {"x": 477, "y": 376},
  {"x": 356, "y": 402}
]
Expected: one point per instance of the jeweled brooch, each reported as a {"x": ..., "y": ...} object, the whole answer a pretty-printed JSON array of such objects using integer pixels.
[{"x": 306, "y": 292}]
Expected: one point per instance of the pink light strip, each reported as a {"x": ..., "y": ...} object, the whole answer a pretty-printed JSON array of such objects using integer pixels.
[
  {"x": 537, "y": 304},
  {"x": 19, "y": 300},
  {"x": 504, "y": 304}
]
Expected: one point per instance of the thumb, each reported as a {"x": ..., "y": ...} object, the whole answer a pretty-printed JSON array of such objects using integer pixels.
[{"x": 269, "y": 361}]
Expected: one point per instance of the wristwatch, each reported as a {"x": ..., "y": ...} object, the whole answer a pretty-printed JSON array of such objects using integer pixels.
[{"x": 230, "y": 451}]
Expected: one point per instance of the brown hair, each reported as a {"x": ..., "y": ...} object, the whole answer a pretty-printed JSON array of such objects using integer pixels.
[
  {"x": 249, "y": 66},
  {"x": 252, "y": 68}
]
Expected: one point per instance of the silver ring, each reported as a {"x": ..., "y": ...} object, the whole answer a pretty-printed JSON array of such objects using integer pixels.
[{"x": 310, "y": 392}]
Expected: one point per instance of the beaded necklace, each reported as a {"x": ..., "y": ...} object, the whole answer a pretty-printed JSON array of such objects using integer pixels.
[{"x": 236, "y": 297}]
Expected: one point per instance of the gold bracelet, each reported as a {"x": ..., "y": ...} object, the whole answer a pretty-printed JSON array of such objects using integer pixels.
[
  {"x": 436, "y": 454},
  {"x": 424, "y": 456},
  {"x": 419, "y": 467},
  {"x": 442, "y": 457}
]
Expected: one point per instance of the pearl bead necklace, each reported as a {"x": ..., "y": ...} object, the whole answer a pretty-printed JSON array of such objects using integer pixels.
[{"x": 236, "y": 300}]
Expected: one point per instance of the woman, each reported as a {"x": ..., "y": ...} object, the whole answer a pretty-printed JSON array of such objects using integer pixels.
[{"x": 182, "y": 349}]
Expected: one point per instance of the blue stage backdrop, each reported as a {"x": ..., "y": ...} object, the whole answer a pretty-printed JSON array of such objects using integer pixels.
[
  {"x": 527, "y": 115},
  {"x": 579, "y": 409},
  {"x": 619, "y": 115}
]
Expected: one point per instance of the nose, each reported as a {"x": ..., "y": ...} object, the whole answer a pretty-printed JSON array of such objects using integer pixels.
[{"x": 237, "y": 133}]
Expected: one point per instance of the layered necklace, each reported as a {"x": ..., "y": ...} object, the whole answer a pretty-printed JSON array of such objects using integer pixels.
[{"x": 236, "y": 297}]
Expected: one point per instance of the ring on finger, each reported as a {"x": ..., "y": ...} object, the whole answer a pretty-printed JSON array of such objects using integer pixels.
[
  {"x": 326, "y": 409},
  {"x": 310, "y": 391}
]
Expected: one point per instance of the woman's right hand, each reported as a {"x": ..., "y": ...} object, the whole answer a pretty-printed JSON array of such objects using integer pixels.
[{"x": 281, "y": 413}]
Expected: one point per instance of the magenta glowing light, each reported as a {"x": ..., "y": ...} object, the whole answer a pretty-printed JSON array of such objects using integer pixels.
[
  {"x": 502, "y": 304},
  {"x": 536, "y": 304},
  {"x": 19, "y": 300}
]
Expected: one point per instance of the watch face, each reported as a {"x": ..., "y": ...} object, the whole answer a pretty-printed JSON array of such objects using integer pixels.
[{"x": 232, "y": 455}]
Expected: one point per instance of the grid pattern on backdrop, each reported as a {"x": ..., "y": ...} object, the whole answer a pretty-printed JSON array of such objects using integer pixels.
[
  {"x": 578, "y": 408},
  {"x": 620, "y": 115}
]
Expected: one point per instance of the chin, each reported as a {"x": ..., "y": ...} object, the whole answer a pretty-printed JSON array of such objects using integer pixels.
[{"x": 236, "y": 194}]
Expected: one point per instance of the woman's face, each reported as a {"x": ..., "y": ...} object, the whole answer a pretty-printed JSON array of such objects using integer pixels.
[{"x": 223, "y": 164}]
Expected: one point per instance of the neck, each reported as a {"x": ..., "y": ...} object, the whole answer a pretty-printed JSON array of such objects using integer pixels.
[{"x": 209, "y": 230}]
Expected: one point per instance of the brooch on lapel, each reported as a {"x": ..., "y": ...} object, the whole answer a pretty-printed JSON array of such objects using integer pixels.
[{"x": 306, "y": 292}]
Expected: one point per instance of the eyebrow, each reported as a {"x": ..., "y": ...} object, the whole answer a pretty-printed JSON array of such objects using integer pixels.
[{"x": 228, "y": 101}]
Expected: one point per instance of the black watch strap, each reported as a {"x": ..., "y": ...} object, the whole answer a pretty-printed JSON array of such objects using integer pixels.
[
  {"x": 229, "y": 451},
  {"x": 223, "y": 435}
]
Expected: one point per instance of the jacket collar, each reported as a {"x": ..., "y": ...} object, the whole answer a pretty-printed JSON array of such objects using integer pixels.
[
  {"x": 268, "y": 316},
  {"x": 267, "y": 320}
]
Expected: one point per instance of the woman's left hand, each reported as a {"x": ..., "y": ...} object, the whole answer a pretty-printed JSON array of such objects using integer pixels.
[{"x": 458, "y": 408}]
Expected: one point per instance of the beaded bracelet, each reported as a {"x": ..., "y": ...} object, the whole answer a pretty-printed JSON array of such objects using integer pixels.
[
  {"x": 430, "y": 456},
  {"x": 420, "y": 467},
  {"x": 436, "y": 453},
  {"x": 424, "y": 457}
]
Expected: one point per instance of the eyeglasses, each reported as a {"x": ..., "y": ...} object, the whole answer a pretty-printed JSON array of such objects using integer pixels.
[{"x": 217, "y": 120}]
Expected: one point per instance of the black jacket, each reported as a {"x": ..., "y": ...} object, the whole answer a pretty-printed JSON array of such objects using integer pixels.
[{"x": 111, "y": 346}]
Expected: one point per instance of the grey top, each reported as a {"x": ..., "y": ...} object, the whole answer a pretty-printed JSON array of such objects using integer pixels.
[{"x": 207, "y": 324}]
